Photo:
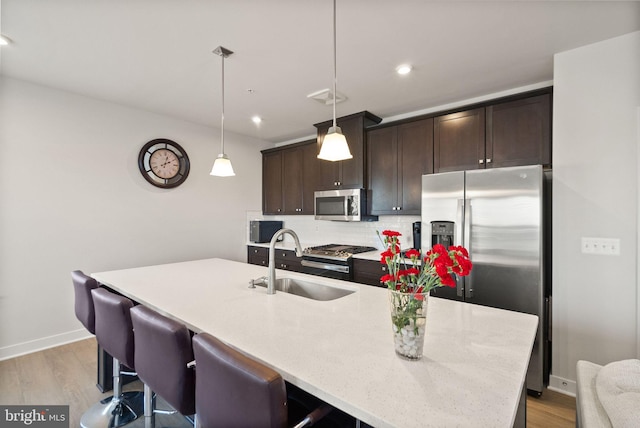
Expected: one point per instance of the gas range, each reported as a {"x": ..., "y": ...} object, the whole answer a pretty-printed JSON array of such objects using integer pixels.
[
  {"x": 332, "y": 260},
  {"x": 336, "y": 251}
]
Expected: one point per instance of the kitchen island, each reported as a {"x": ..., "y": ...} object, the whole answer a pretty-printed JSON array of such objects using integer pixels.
[{"x": 472, "y": 372}]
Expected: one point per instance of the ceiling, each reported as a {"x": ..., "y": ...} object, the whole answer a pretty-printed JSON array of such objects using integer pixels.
[{"x": 157, "y": 55}]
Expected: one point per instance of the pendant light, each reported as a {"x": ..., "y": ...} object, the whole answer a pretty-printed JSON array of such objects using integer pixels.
[
  {"x": 222, "y": 165},
  {"x": 334, "y": 146}
]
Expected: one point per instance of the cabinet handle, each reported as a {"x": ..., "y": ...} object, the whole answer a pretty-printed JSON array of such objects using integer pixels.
[
  {"x": 384, "y": 268},
  {"x": 480, "y": 161},
  {"x": 279, "y": 210},
  {"x": 399, "y": 208},
  {"x": 255, "y": 251},
  {"x": 489, "y": 160},
  {"x": 393, "y": 208},
  {"x": 283, "y": 266}
]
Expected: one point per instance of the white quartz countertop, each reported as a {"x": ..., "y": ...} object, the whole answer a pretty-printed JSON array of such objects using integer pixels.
[{"x": 471, "y": 375}]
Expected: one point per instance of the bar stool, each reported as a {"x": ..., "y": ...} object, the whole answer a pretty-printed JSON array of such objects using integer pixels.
[
  {"x": 163, "y": 351},
  {"x": 233, "y": 390},
  {"x": 114, "y": 334},
  {"x": 82, "y": 286}
]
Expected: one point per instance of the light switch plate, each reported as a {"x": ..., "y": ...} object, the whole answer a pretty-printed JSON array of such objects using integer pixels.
[{"x": 602, "y": 246}]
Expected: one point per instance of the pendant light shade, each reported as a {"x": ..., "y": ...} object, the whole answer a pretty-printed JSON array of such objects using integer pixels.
[
  {"x": 222, "y": 165},
  {"x": 334, "y": 146}
]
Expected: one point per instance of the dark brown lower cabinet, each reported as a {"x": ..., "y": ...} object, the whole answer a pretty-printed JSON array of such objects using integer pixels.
[
  {"x": 368, "y": 272},
  {"x": 285, "y": 259},
  {"x": 258, "y": 256}
]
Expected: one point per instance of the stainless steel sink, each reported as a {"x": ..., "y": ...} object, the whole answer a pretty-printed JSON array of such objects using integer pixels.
[{"x": 310, "y": 290}]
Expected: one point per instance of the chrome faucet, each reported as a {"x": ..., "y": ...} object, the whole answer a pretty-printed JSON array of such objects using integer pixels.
[{"x": 271, "y": 281}]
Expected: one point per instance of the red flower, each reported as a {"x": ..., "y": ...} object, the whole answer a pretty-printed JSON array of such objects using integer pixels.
[
  {"x": 439, "y": 266},
  {"x": 387, "y": 278},
  {"x": 441, "y": 269},
  {"x": 412, "y": 253},
  {"x": 459, "y": 249},
  {"x": 385, "y": 255},
  {"x": 412, "y": 271},
  {"x": 439, "y": 249}
]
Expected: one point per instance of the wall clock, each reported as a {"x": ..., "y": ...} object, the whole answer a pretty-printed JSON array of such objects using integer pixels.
[{"x": 163, "y": 163}]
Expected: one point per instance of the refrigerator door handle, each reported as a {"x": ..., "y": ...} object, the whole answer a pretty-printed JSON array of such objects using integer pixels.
[
  {"x": 459, "y": 240},
  {"x": 468, "y": 291}
]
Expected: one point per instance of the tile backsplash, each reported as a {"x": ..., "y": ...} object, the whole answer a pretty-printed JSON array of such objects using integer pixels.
[{"x": 318, "y": 232}]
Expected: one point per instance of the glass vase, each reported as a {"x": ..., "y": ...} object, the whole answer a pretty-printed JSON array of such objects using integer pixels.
[{"x": 408, "y": 321}]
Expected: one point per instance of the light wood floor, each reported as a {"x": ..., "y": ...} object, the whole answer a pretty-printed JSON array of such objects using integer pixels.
[{"x": 67, "y": 375}]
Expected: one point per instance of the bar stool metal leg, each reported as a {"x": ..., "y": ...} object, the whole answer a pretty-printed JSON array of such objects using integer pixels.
[
  {"x": 117, "y": 410},
  {"x": 149, "y": 407}
]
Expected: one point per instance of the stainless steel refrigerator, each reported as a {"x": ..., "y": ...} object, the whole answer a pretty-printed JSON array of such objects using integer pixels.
[{"x": 499, "y": 216}]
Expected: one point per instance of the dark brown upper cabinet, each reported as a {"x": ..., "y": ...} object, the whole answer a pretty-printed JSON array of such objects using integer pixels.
[
  {"x": 311, "y": 175},
  {"x": 458, "y": 141},
  {"x": 272, "y": 182},
  {"x": 519, "y": 132},
  {"x": 511, "y": 133},
  {"x": 289, "y": 178},
  {"x": 398, "y": 156},
  {"x": 346, "y": 174}
]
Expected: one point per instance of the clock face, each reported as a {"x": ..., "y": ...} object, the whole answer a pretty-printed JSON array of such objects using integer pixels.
[{"x": 163, "y": 163}]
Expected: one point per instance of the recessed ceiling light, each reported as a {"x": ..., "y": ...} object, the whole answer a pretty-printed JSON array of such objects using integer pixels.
[
  {"x": 4, "y": 40},
  {"x": 256, "y": 119},
  {"x": 403, "y": 69}
]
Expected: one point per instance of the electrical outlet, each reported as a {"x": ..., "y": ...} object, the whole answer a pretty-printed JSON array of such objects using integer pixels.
[{"x": 601, "y": 246}]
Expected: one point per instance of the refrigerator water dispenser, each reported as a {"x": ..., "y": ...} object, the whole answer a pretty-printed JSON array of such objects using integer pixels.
[{"x": 442, "y": 233}]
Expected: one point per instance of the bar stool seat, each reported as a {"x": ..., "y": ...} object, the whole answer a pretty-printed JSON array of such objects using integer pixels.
[
  {"x": 114, "y": 333},
  {"x": 163, "y": 351},
  {"x": 83, "y": 304},
  {"x": 233, "y": 390}
]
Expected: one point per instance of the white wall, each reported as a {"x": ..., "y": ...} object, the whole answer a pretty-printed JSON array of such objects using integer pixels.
[
  {"x": 72, "y": 198},
  {"x": 595, "y": 188}
]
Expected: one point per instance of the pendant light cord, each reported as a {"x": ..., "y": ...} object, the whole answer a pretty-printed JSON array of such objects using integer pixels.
[
  {"x": 335, "y": 72},
  {"x": 222, "y": 118}
]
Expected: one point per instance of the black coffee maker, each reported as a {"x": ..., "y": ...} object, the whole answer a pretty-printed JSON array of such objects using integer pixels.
[{"x": 417, "y": 235}]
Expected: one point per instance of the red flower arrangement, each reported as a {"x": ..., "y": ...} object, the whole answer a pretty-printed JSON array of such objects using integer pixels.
[{"x": 436, "y": 269}]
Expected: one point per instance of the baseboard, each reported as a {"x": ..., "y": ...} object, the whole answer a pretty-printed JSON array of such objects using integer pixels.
[
  {"x": 564, "y": 386},
  {"x": 43, "y": 343}
]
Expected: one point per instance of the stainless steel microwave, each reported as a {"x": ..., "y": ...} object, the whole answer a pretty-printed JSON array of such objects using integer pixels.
[{"x": 341, "y": 205}]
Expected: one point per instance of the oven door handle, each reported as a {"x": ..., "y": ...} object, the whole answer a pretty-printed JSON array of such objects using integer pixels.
[{"x": 325, "y": 266}]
